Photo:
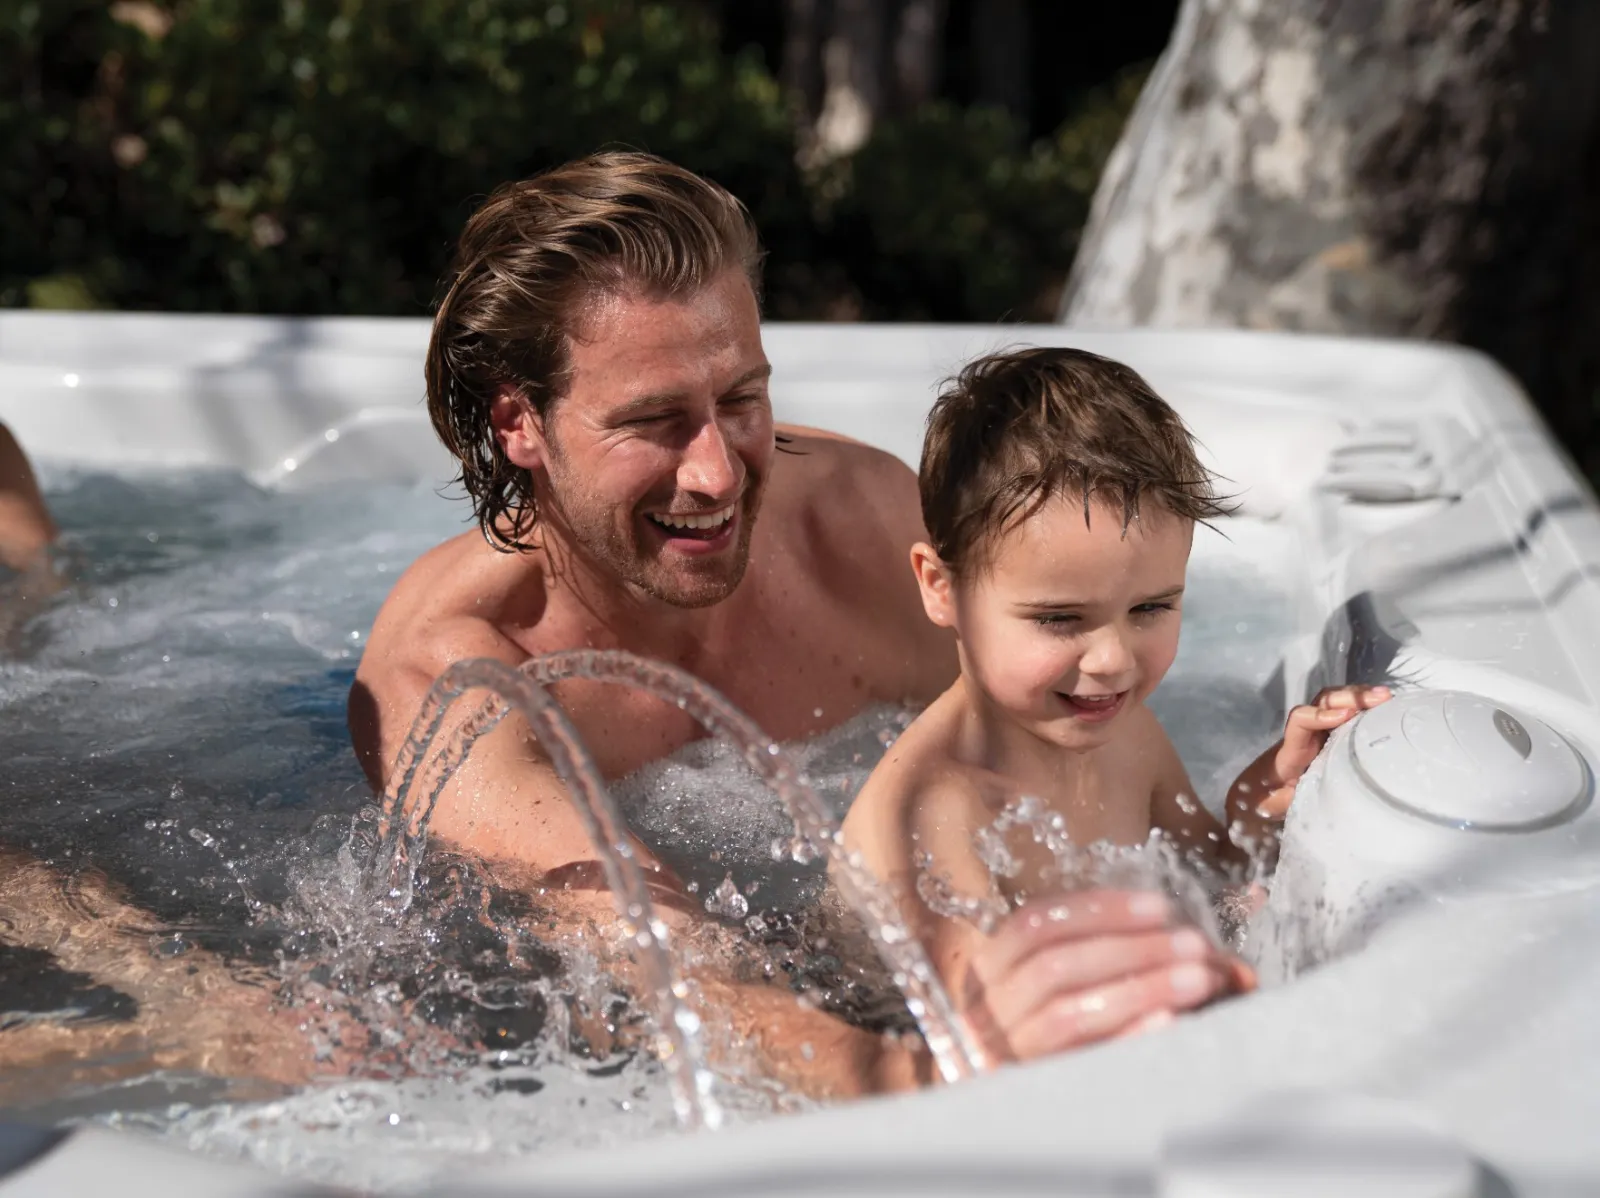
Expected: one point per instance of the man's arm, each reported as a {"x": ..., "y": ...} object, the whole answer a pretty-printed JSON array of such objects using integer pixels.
[{"x": 505, "y": 802}]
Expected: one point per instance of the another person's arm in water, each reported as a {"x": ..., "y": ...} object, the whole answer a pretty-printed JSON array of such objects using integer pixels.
[
  {"x": 26, "y": 529},
  {"x": 28, "y": 578}
]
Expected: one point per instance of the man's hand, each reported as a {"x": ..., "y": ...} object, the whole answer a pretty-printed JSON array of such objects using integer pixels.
[{"x": 1063, "y": 972}]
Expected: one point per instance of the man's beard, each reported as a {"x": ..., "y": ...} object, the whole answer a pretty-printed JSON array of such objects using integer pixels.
[{"x": 588, "y": 523}]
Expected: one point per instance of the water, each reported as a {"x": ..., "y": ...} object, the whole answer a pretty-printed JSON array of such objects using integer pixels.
[
  {"x": 181, "y": 795},
  {"x": 813, "y": 835}
]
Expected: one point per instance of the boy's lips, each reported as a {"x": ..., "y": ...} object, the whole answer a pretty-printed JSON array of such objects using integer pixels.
[{"x": 1093, "y": 709}]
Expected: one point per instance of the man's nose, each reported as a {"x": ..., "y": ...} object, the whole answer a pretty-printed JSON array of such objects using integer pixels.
[{"x": 709, "y": 466}]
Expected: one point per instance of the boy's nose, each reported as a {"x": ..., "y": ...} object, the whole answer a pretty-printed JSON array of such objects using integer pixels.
[
  {"x": 1108, "y": 655},
  {"x": 709, "y": 466}
]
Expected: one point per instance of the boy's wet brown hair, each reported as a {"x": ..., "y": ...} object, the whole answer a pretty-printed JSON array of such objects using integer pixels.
[
  {"x": 528, "y": 262},
  {"x": 1016, "y": 429}
]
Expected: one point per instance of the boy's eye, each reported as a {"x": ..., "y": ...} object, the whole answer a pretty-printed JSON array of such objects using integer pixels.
[
  {"x": 1150, "y": 609},
  {"x": 1056, "y": 619}
]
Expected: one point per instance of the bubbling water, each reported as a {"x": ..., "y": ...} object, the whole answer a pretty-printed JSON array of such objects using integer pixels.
[{"x": 816, "y": 833}]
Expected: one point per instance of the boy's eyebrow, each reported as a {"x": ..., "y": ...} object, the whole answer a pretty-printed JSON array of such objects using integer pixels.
[
  {"x": 1064, "y": 604},
  {"x": 640, "y": 403}
]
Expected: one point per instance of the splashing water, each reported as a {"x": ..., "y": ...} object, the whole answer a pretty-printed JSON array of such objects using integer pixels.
[
  {"x": 676, "y": 1027},
  {"x": 1154, "y": 865},
  {"x": 816, "y": 834}
]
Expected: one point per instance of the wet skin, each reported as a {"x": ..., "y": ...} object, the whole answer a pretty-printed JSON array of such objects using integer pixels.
[
  {"x": 799, "y": 607},
  {"x": 1067, "y": 621}
]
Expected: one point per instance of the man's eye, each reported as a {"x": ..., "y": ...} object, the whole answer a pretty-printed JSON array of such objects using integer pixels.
[{"x": 735, "y": 401}]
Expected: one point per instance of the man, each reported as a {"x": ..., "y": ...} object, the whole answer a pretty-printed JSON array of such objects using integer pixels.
[{"x": 596, "y": 367}]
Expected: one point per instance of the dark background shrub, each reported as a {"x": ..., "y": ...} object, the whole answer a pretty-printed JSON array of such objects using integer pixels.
[{"x": 319, "y": 156}]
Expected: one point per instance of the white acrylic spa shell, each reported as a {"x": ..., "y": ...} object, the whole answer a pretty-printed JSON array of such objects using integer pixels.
[{"x": 1446, "y": 545}]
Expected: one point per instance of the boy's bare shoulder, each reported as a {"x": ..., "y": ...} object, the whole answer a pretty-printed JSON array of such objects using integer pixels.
[{"x": 919, "y": 787}]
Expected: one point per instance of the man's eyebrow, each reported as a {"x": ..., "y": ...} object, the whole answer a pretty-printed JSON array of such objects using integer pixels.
[{"x": 655, "y": 399}]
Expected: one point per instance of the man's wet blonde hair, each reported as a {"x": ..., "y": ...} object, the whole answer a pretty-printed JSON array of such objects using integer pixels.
[
  {"x": 1016, "y": 429},
  {"x": 527, "y": 263}
]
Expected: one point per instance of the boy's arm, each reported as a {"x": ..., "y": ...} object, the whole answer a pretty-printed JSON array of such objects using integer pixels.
[
  {"x": 1176, "y": 810},
  {"x": 1260, "y": 797}
]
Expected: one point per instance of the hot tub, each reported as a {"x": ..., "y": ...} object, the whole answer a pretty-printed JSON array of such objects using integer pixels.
[{"x": 1423, "y": 529}]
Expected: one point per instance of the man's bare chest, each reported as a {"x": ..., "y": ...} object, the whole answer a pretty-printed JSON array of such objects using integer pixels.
[{"x": 795, "y": 673}]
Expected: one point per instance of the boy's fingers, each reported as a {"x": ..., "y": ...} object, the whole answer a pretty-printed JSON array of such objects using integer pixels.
[
  {"x": 1083, "y": 1018},
  {"x": 1071, "y": 916},
  {"x": 1080, "y": 965},
  {"x": 1321, "y": 718},
  {"x": 1154, "y": 1021},
  {"x": 1355, "y": 698}
]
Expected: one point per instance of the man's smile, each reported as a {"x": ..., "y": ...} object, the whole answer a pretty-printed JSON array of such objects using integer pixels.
[
  {"x": 695, "y": 521},
  {"x": 697, "y": 533}
]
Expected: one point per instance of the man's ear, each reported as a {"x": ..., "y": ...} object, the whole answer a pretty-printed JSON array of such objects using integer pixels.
[
  {"x": 937, "y": 584},
  {"x": 517, "y": 427}
]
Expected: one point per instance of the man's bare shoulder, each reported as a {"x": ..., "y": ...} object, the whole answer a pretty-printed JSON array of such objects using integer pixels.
[
  {"x": 459, "y": 590},
  {"x": 816, "y": 464},
  {"x": 460, "y": 600},
  {"x": 847, "y": 499}
]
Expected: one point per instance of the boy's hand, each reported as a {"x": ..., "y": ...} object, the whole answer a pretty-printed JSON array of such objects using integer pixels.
[
  {"x": 1304, "y": 733},
  {"x": 1066, "y": 971}
]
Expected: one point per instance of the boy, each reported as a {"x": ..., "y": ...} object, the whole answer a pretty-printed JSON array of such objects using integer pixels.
[{"x": 1060, "y": 495}]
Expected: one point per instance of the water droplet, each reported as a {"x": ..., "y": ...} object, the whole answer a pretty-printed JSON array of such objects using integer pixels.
[{"x": 727, "y": 902}]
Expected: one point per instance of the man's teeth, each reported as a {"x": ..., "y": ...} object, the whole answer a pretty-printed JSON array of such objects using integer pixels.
[{"x": 709, "y": 520}]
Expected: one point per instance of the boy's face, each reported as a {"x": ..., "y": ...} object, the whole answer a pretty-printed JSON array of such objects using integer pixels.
[{"x": 1070, "y": 624}]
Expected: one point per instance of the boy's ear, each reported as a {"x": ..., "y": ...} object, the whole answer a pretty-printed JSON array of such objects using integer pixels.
[
  {"x": 517, "y": 427},
  {"x": 936, "y": 583}
]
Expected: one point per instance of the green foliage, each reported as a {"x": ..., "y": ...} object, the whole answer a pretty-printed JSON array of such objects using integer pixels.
[
  {"x": 319, "y": 156},
  {"x": 948, "y": 216}
]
